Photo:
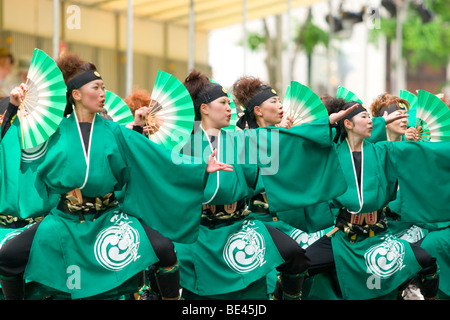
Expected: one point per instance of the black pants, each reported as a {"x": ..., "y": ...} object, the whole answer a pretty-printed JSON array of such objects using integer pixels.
[
  {"x": 15, "y": 252},
  {"x": 295, "y": 258}
]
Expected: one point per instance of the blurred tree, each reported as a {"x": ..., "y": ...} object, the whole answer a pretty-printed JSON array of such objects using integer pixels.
[
  {"x": 423, "y": 42},
  {"x": 306, "y": 37}
]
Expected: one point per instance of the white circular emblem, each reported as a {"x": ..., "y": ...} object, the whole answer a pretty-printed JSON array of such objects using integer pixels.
[
  {"x": 117, "y": 246},
  {"x": 411, "y": 235},
  {"x": 245, "y": 249},
  {"x": 386, "y": 258},
  {"x": 305, "y": 239}
]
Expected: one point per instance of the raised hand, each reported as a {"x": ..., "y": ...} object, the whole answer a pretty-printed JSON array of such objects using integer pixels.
[
  {"x": 213, "y": 165},
  {"x": 388, "y": 118},
  {"x": 17, "y": 95},
  {"x": 335, "y": 117}
]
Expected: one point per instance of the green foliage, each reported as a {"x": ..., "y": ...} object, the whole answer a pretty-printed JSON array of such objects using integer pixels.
[
  {"x": 310, "y": 36},
  {"x": 307, "y": 38},
  {"x": 256, "y": 41},
  {"x": 427, "y": 43}
]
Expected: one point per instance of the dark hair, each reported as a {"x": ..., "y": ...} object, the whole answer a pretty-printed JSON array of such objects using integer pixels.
[
  {"x": 196, "y": 83},
  {"x": 71, "y": 65},
  {"x": 334, "y": 105},
  {"x": 244, "y": 89}
]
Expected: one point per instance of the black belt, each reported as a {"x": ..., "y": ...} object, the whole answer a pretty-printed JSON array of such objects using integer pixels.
[
  {"x": 352, "y": 227},
  {"x": 259, "y": 204},
  {"x": 81, "y": 205},
  {"x": 214, "y": 215}
]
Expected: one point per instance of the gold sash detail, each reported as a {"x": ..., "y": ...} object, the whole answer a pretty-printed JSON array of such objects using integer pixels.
[{"x": 370, "y": 218}]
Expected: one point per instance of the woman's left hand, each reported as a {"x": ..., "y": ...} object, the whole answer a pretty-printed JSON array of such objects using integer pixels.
[
  {"x": 286, "y": 122},
  {"x": 388, "y": 118},
  {"x": 140, "y": 116},
  {"x": 412, "y": 134},
  {"x": 214, "y": 165},
  {"x": 335, "y": 117}
]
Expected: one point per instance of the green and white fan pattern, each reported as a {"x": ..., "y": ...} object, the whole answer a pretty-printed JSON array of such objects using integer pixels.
[
  {"x": 117, "y": 109},
  {"x": 302, "y": 104},
  {"x": 412, "y": 100},
  {"x": 42, "y": 109},
  {"x": 432, "y": 118},
  {"x": 174, "y": 105},
  {"x": 347, "y": 95}
]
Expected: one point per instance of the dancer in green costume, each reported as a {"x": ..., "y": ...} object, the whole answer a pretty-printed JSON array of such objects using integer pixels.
[
  {"x": 234, "y": 251},
  {"x": 304, "y": 225},
  {"x": 370, "y": 262},
  {"x": 91, "y": 243},
  {"x": 413, "y": 231}
]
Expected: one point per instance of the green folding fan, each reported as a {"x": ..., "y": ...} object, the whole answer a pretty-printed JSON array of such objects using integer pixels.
[
  {"x": 42, "y": 109},
  {"x": 172, "y": 108},
  {"x": 347, "y": 95},
  {"x": 233, "y": 119},
  {"x": 117, "y": 109},
  {"x": 302, "y": 104},
  {"x": 432, "y": 118},
  {"x": 412, "y": 100}
]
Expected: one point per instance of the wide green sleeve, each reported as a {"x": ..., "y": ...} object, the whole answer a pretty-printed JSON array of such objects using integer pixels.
[
  {"x": 299, "y": 166},
  {"x": 165, "y": 189},
  {"x": 424, "y": 180},
  {"x": 9, "y": 172},
  {"x": 22, "y": 193},
  {"x": 378, "y": 130},
  {"x": 309, "y": 219}
]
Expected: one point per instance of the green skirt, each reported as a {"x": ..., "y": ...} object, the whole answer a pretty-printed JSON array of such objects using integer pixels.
[
  {"x": 89, "y": 258},
  {"x": 227, "y": 258},
  {"x": 373, "y": 266}
]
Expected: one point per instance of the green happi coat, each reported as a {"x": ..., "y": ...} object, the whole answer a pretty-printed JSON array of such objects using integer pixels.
[
  {"x": 230, "y": 257},
  {"x": 374, "y": 266},
  {"x": 89, "y": 258},
  {"x": 424, "y": 216},
  {"x": 424, "y": 173}
]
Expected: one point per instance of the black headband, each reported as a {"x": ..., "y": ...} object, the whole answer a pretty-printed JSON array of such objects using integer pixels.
[
  {"x": 392, "y": 107},
  {"x": 266, "y": 93},
  {"x": 81, "y": 79},
  {"x": 358, "y": 109},
  {"x": 213, "y": 91},
  {"x": 76, "y": 83},
  {"x": 340, "y": 131},
  {"x": 247, "y": 119}
]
